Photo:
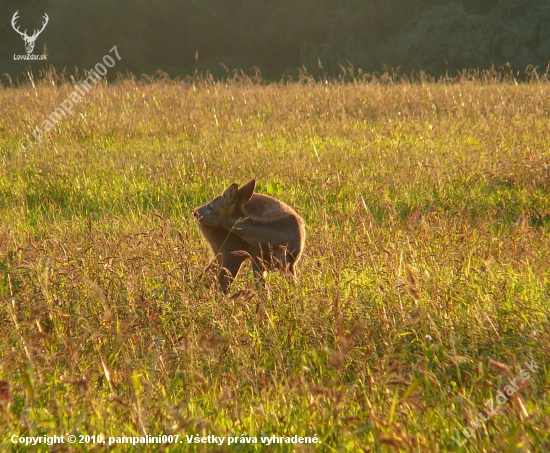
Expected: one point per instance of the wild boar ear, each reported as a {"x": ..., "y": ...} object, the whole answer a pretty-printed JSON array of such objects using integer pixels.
[
  {"x": 230, "y": 195},
  {"x": 246, "y": 191}
]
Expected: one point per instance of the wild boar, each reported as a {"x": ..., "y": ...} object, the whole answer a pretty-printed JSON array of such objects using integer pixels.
[{"x": 240, "y": 223}]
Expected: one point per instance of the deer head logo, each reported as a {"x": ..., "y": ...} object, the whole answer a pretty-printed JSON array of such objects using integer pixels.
[{"x": 29, "y": 40}]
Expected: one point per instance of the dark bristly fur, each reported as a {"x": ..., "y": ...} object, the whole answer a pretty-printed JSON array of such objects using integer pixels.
[{"x": 240, "y": 223}]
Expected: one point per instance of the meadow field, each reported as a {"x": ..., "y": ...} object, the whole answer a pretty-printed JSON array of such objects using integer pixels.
[{"x": 420, "y": 316}]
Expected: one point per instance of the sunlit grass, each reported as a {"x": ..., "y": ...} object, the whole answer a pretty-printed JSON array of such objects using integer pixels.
[{"x": 427, "y": 209}]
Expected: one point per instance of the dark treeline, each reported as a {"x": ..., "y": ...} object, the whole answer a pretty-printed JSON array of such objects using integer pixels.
[{"x": 279, "y": 37}]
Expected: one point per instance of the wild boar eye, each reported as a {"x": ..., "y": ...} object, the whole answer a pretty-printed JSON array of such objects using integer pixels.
[{"x": 208, "y": 208}]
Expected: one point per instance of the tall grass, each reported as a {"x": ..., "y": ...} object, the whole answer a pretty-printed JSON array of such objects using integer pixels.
[{"x": 423, "y": 290}]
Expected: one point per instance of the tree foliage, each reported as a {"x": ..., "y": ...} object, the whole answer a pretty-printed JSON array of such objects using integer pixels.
[{"x": 279, "y": 37}]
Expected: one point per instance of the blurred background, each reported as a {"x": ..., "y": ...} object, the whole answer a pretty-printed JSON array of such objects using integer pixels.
[{"x": 281, "y": 38}]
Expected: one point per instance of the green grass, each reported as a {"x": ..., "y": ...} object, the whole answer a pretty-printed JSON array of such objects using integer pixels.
[{"x": 426, "y": 265}]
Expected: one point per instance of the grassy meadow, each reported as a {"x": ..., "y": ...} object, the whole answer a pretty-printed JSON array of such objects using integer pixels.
[{"x": 423, "y": 291}]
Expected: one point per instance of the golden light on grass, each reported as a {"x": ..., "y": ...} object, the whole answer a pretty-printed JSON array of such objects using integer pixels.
[{"x": 426, "y": 207}]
